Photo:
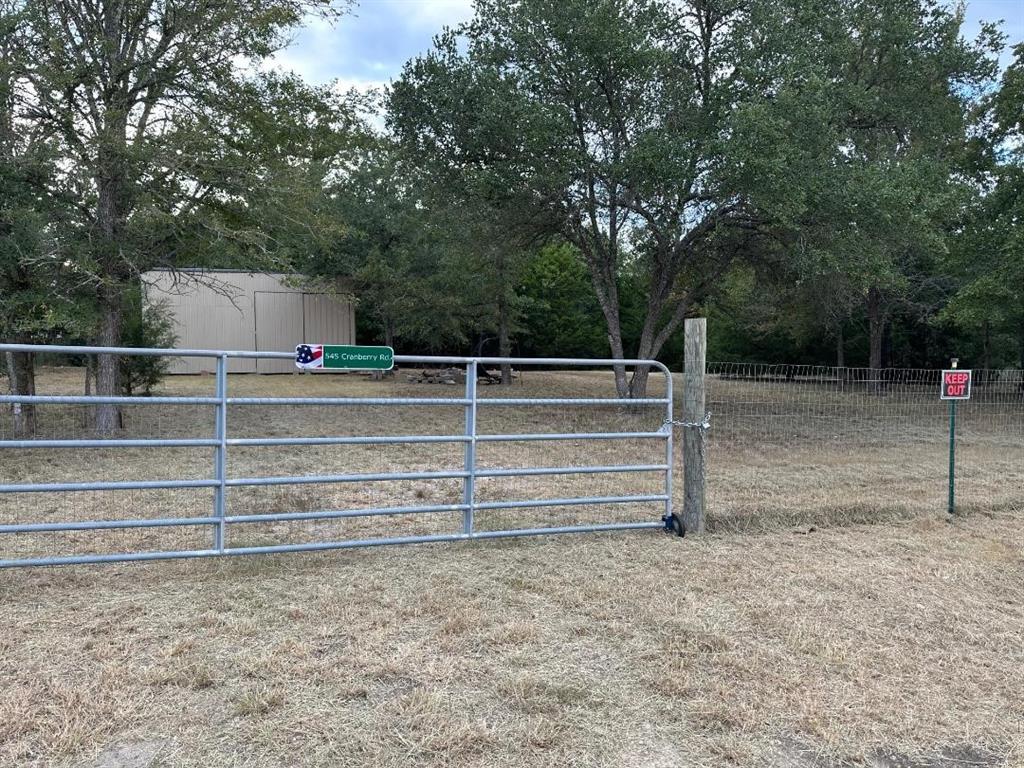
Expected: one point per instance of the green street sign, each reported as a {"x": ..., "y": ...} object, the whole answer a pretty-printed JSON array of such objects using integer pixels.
[
  {"x": 344, "y": 357},
  {"x": 367, "y": 358}
]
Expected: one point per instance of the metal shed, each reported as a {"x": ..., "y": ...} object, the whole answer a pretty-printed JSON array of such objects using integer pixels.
[{"x": 223, "y": 309}]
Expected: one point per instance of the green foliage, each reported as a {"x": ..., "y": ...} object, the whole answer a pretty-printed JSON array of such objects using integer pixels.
[
  {"x": 667, "y": 141},
  {"x": 610, "y": 125},
  {"x": 154, "y": 121},
  {"x": 884, "y": 98},
  {"x": 143, "y": 108},
  {"x": 146, "y": 325},
  {"x": 988, "y": 257},
  {"x": 562, "y": 317},
  {"x": 390, "y": 251},
  {"x": 900, "y": 86},
  {"x": 575, "y": 176},
  {"x": 167, "y": 144}
]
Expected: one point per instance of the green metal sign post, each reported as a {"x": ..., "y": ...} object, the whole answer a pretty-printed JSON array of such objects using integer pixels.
[
  {"x": 955, "y": 385},
  {"x": 951, "y": 504}
]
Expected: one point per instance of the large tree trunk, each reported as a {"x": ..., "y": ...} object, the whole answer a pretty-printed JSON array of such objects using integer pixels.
[
  {"x": 650, "y": 347},
  {"x": 986, "y": 351},
  {"x": 638, "y": 381},
  {"x": 650, "y": 340},
  {"x": 21, "y": 372},
  {"x": 90, "y": 374},
  {"x": 645, "y": 351},
  {"x": 108, "y": 372},
  {"x": 877, "y": 322},
  {"x": 389, "y": 341},
  {"x": 504, "y": 337},
  {"x": 841, "y": 373},
  {"x": 113, "y": 206},
  {"x": 876, "y": 328},
  {"x": 1020, "y": 339},
  {"x": 603, "y": 266},
  {"x": 608, "y": 300},
  {"x": 651, "y": 343},
  {"x": 653, "y": 338},
  {"x": 618, "y": 353}
]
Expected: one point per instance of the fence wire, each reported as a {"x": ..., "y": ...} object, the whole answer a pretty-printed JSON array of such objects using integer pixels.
[{"x": 799, "y": 444}]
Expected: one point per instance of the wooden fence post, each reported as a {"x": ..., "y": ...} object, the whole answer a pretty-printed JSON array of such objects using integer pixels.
[{"x": 694, "y": 437}]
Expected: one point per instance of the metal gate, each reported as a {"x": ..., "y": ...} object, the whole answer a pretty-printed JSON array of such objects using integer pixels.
[{"x": 221, "y": 524}]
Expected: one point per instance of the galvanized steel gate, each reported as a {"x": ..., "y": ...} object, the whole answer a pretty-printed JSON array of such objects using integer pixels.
[{"x": 220, "y": 442}]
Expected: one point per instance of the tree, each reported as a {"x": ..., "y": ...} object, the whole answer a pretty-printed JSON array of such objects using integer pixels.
[
  {"x": 429, "y": 271},
  {"x": 486, "y": 263},
  {"x": 562, "y": 318},
  {"x": 900, "y": 86},
  {"x": 392, "y": 252},
  {"x": 146, "y": 325},
  {"x": 20, "y": 234},
  {"x": 989, "y": 254},
  {"x": 132, "y": 96},
  {"x": 31, "y": 270},
  {"x": 620, "y": 125}
]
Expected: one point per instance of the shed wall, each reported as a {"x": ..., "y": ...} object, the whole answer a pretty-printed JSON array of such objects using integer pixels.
[{"x": 246, "y": 311}]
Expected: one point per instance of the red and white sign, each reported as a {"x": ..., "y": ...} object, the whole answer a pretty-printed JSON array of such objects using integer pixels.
[{"x": 956, "y": 385}]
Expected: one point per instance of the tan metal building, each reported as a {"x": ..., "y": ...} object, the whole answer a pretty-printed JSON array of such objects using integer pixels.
[{"x": 220, "y": 309}]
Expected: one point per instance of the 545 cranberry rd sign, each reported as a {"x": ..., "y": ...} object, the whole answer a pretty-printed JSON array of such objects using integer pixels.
[{"x": 343, "y": 357}]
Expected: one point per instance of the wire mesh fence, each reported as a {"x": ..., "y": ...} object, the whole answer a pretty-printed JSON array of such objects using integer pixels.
[{"x": 805, "y": 444}]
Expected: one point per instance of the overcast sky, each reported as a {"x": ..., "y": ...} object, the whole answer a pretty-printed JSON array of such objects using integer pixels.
[{"x": 369, "y": 46}]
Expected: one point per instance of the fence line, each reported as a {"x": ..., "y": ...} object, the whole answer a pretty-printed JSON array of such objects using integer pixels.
[
  {"x": 788, "y": 445},
  {"x": 847, "y": 444}
]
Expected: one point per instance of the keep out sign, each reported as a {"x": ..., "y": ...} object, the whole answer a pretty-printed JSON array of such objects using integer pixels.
[{"x": 956, "y": 385}]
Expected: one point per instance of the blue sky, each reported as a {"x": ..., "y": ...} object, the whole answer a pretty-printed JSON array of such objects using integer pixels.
[{"x": 368, "y": 47}]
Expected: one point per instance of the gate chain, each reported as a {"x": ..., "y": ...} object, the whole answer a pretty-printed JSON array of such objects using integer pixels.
[{"x": 702, "y": 427}]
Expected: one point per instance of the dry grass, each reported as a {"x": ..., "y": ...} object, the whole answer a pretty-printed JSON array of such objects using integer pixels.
[
  {"x": 614, "y": 650},
  {"x": 775, "y": 648}
]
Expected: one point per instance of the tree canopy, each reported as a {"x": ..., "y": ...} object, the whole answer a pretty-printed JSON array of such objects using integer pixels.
[
  {"x": 160, "y": 127},
  {"x": 673, "y": 139},
  {"x": 828, "y": 181}
]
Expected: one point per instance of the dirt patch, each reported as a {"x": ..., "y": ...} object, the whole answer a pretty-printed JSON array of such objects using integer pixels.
[
  {"x": 959, "y": 756},
  {"x": 792, "y": 752},
  {"x": 132, "y": 754}
]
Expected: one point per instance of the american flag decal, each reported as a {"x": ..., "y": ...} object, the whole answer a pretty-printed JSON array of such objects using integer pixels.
[{"x": 309, "y": 356}]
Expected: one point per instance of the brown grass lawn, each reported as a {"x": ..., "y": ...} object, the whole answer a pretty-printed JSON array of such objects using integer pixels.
[{"x": 795, "y": 634}]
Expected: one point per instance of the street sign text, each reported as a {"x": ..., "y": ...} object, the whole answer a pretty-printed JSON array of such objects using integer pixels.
[{"x": 342, "y": 357}]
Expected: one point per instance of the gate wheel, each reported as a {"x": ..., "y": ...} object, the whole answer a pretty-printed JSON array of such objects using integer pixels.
[{"x": 674, "y": 524}]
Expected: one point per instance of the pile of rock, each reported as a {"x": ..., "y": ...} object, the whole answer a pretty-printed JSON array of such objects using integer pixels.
[{"x": 438, "y": 376}]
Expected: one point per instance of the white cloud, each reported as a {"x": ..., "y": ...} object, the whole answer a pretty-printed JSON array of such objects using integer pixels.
[
  {"x": 438, "y": 13},
  {"x": 362, "y": 85},
  {"x": 370, "y": 43}
]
